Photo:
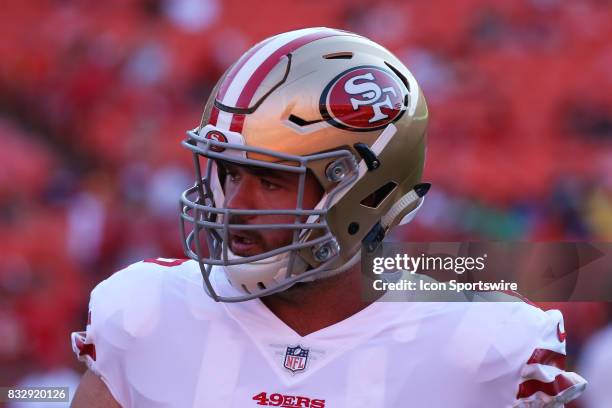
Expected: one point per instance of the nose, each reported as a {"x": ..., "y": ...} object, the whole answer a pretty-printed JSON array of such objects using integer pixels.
[{"x": 241, "y": 195}]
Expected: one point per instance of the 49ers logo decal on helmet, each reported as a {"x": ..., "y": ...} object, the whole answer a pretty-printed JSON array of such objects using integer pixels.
[
  {"x": 363, "y": 99},
  {"x": 217, "y": 137}
]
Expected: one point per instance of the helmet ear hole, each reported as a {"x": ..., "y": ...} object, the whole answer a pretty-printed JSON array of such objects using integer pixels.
[{"x": 374, "y": 199}]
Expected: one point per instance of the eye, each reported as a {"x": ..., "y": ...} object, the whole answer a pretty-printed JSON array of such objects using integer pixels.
[
  {"x": 231, "y": 174},
  {"x": 268, "y": 185}
]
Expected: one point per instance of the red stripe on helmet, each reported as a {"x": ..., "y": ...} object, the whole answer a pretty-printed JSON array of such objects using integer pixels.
[
  {"x": 248, "y": 91},
  {"x": 214, "y": 115},
  {"x": 237, "y": 67},
  {"x": 261, "y": 72},
  {"x": 237, "y": 123},
  {"x": 253, "y": 83}
]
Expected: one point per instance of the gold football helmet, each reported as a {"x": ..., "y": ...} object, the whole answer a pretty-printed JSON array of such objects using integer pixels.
[{"x": 316, "y": 100}]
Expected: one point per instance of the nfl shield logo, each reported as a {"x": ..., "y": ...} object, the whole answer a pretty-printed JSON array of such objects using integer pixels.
[{"x": 296, "y": 358}]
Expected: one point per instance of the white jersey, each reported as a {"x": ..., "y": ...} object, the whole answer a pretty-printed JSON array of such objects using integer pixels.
[
  {"x": 596, "y": 362},
  {"x": 157, "y": 340}
]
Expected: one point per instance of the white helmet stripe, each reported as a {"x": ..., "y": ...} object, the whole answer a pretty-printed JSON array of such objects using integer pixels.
[{"x": 257, "y": 65}]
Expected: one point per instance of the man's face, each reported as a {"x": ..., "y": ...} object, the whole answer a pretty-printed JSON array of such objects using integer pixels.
[{"x": 264, "y": 189}]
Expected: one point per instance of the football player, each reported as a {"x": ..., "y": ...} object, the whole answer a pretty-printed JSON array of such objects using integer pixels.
[{"x": 310, "y": 146}]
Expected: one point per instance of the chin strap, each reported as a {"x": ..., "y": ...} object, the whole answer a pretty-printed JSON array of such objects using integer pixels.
[
  {"x": 414, "y": 195},
  {"x": 378, "y": 232},
  {"x": 333, "y": 272}
]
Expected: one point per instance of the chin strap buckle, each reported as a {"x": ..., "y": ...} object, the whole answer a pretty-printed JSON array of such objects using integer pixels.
[{"x": 373, "y": 239}]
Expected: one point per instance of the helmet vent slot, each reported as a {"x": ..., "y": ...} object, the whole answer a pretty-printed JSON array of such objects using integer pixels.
[
  {"x": 302, "y": 122},
  {"x": 261, "y": 286},
  {"x": 339, "y": 55},
  {"x": 377, "y": 197},
  {"x": 399, "y": 74}
]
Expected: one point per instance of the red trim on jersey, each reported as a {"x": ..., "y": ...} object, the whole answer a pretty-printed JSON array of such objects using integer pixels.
[
  {"x": 555, "y": 387},
  {"x": 85, "y": 349},
  {"x": 547, "y": 357},
  {"x": 561, "y": 335},
  {"x": 174, "y": 262}
]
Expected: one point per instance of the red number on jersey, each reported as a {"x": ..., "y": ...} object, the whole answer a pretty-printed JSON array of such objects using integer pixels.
[
  {"x": 288, "y": 401},
  {"x": 276, "y": 400},
  {"x": 261, "y": 397}
]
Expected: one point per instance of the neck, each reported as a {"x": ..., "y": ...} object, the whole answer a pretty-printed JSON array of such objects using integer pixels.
[{"x": 311, "y": 306}]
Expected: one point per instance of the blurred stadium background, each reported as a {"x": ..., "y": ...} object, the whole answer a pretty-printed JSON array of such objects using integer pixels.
[{"x": 96, "y": 96}]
